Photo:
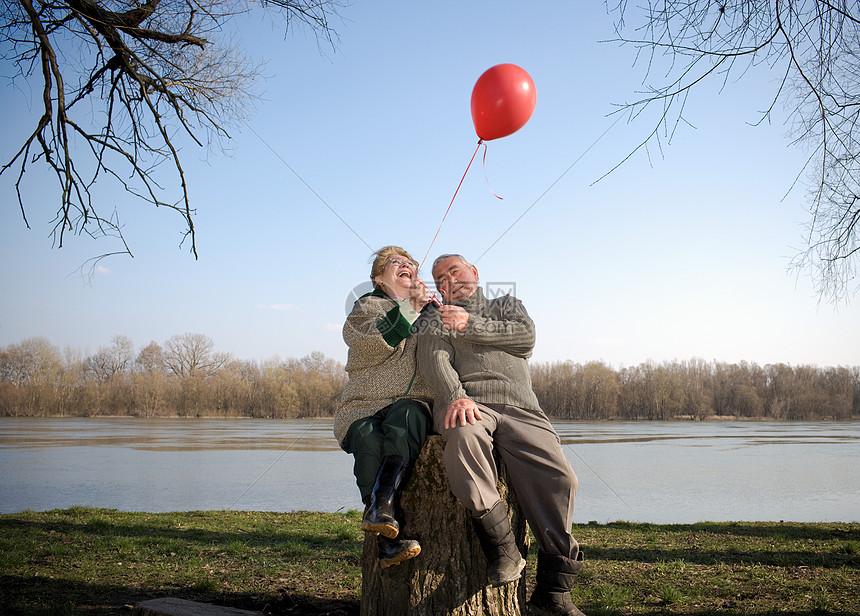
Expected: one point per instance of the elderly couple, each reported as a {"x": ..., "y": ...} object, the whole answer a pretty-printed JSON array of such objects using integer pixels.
[{"x": 469, "y": 358}]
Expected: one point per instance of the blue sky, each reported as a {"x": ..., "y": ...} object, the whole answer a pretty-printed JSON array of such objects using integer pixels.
[{"x": 675, "y": 255}]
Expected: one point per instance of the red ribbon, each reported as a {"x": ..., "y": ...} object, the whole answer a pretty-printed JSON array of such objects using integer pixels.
[
  {"x": 484, "y": 162},
  {"x": 485, "y": 171},
  {"x": 480, "y": 141}
]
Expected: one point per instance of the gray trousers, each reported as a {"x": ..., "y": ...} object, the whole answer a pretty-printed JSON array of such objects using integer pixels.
[{"x": 541, "y": 476}]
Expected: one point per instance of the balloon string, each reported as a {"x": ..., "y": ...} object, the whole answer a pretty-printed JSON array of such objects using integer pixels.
[
  {"x": 433, "y": 299},
  {"x": 484, "y": 163},
  {"x": 480, "y": 141}
]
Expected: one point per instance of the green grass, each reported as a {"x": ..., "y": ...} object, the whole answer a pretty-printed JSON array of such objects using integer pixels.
[{"x": 89, "y": 562}]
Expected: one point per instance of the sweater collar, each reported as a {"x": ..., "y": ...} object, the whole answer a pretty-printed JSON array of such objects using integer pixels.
[
  {"x": 474, "y": 302},
  {"x": 374, "y": 293}
]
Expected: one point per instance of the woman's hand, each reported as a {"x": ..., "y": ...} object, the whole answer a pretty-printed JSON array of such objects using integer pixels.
[{"x": 419, "y": 294}]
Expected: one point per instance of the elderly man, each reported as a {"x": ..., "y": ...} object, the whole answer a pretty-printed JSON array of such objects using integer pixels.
[{"x": 472, "y": 353}]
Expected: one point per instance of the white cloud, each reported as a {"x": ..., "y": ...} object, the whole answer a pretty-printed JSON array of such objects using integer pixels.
[
  {"x": 332, "y": 327},
  {"x": 102, "y": 270},
  {"x": 276, "y": 306}
]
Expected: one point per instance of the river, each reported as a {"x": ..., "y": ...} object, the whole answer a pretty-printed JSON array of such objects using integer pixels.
[{"x": 661, "y": 472}]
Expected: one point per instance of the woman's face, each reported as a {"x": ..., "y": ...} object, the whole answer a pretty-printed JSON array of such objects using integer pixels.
[{"x": 398, "y": 276}]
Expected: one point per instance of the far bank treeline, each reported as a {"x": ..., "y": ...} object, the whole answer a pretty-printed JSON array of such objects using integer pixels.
[{"x": 185, "y": 377}]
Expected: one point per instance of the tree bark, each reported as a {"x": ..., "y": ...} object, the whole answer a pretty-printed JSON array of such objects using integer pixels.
[{"x": 449, "y": 576}]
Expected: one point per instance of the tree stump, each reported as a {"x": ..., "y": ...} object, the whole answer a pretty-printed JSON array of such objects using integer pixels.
[{"x": 449, "y": 576}]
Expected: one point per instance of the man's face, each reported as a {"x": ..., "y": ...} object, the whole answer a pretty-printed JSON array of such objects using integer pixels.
[{"x": 454, "y": 279}]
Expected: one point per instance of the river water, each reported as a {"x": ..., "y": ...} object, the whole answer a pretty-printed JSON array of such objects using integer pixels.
[{"x": 662, "y": 472}]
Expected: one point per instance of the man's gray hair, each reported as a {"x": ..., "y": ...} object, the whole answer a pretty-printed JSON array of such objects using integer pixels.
[{"x": 447, "y": 256}]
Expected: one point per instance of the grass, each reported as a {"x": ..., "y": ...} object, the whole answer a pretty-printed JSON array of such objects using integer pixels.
[{"x": 79, "y": 561}]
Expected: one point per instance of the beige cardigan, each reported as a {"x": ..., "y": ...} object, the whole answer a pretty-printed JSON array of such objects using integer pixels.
[{"x": 381, "y": 363}]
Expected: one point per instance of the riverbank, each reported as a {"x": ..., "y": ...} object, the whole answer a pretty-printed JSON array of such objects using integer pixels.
[
  {"x": 79, "y": 561},
  {"x": 555, "y": 417}
]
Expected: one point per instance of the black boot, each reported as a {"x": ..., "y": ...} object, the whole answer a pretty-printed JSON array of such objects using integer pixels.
[
  {"x": 395, "y": 551},
  {"x": 555, "y": 577},
  {"x": 379, "y": 515},
  {"x": 504, "y": 561}
]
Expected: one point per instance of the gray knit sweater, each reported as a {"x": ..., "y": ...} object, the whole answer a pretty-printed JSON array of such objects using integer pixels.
[
  {"x": 486, "y": 362},
  {"x": 381, "y": 362}
]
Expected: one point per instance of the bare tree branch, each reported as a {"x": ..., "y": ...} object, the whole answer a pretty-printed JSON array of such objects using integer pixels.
[
  {"x": 815, "y": 44},
  {"x": 147, "y": 68}
]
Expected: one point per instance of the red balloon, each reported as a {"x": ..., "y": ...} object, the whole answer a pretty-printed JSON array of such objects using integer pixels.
[{"x": 503, "y": 100}]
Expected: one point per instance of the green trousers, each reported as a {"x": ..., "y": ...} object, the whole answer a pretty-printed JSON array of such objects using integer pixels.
[{"x": 397, "y": 430}]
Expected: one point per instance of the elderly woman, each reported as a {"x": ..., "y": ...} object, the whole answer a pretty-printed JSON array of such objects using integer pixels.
[{"x": 384, "y": 415}]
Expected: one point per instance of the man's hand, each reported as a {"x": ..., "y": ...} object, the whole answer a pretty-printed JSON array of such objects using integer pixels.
[
  {"x": 454, "y": 317},
  {"x": 461, "y": 410}
]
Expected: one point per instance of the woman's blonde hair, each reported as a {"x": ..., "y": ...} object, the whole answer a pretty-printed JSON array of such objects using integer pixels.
[{"x": 381, "y": 260}]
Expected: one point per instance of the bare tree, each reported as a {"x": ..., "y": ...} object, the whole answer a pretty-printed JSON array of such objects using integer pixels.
[
  {"x": 35, "y": 360},
  {"x": 814, "y": 48},
  {"x": 107, "y": 362},
  {"x": 190, "y": 355},
  {"x": 120, "y": 81},
  {"x": 600, "y": 391},
  {"x": 150, "y": 360}
]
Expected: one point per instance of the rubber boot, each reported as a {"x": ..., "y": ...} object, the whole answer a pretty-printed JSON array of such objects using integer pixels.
[
  {"x": 504, "y": 561},
  {"x": 395, "y": 551},
  {"x": 379, "y": 515},
  {"x": 555, "y": 577}
]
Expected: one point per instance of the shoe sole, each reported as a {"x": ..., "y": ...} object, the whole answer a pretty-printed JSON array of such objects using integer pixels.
[
  {"x": 386, "y": 530},
  {"x": 404, "y": 555},
  {"x": 520, "y": 566}
]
